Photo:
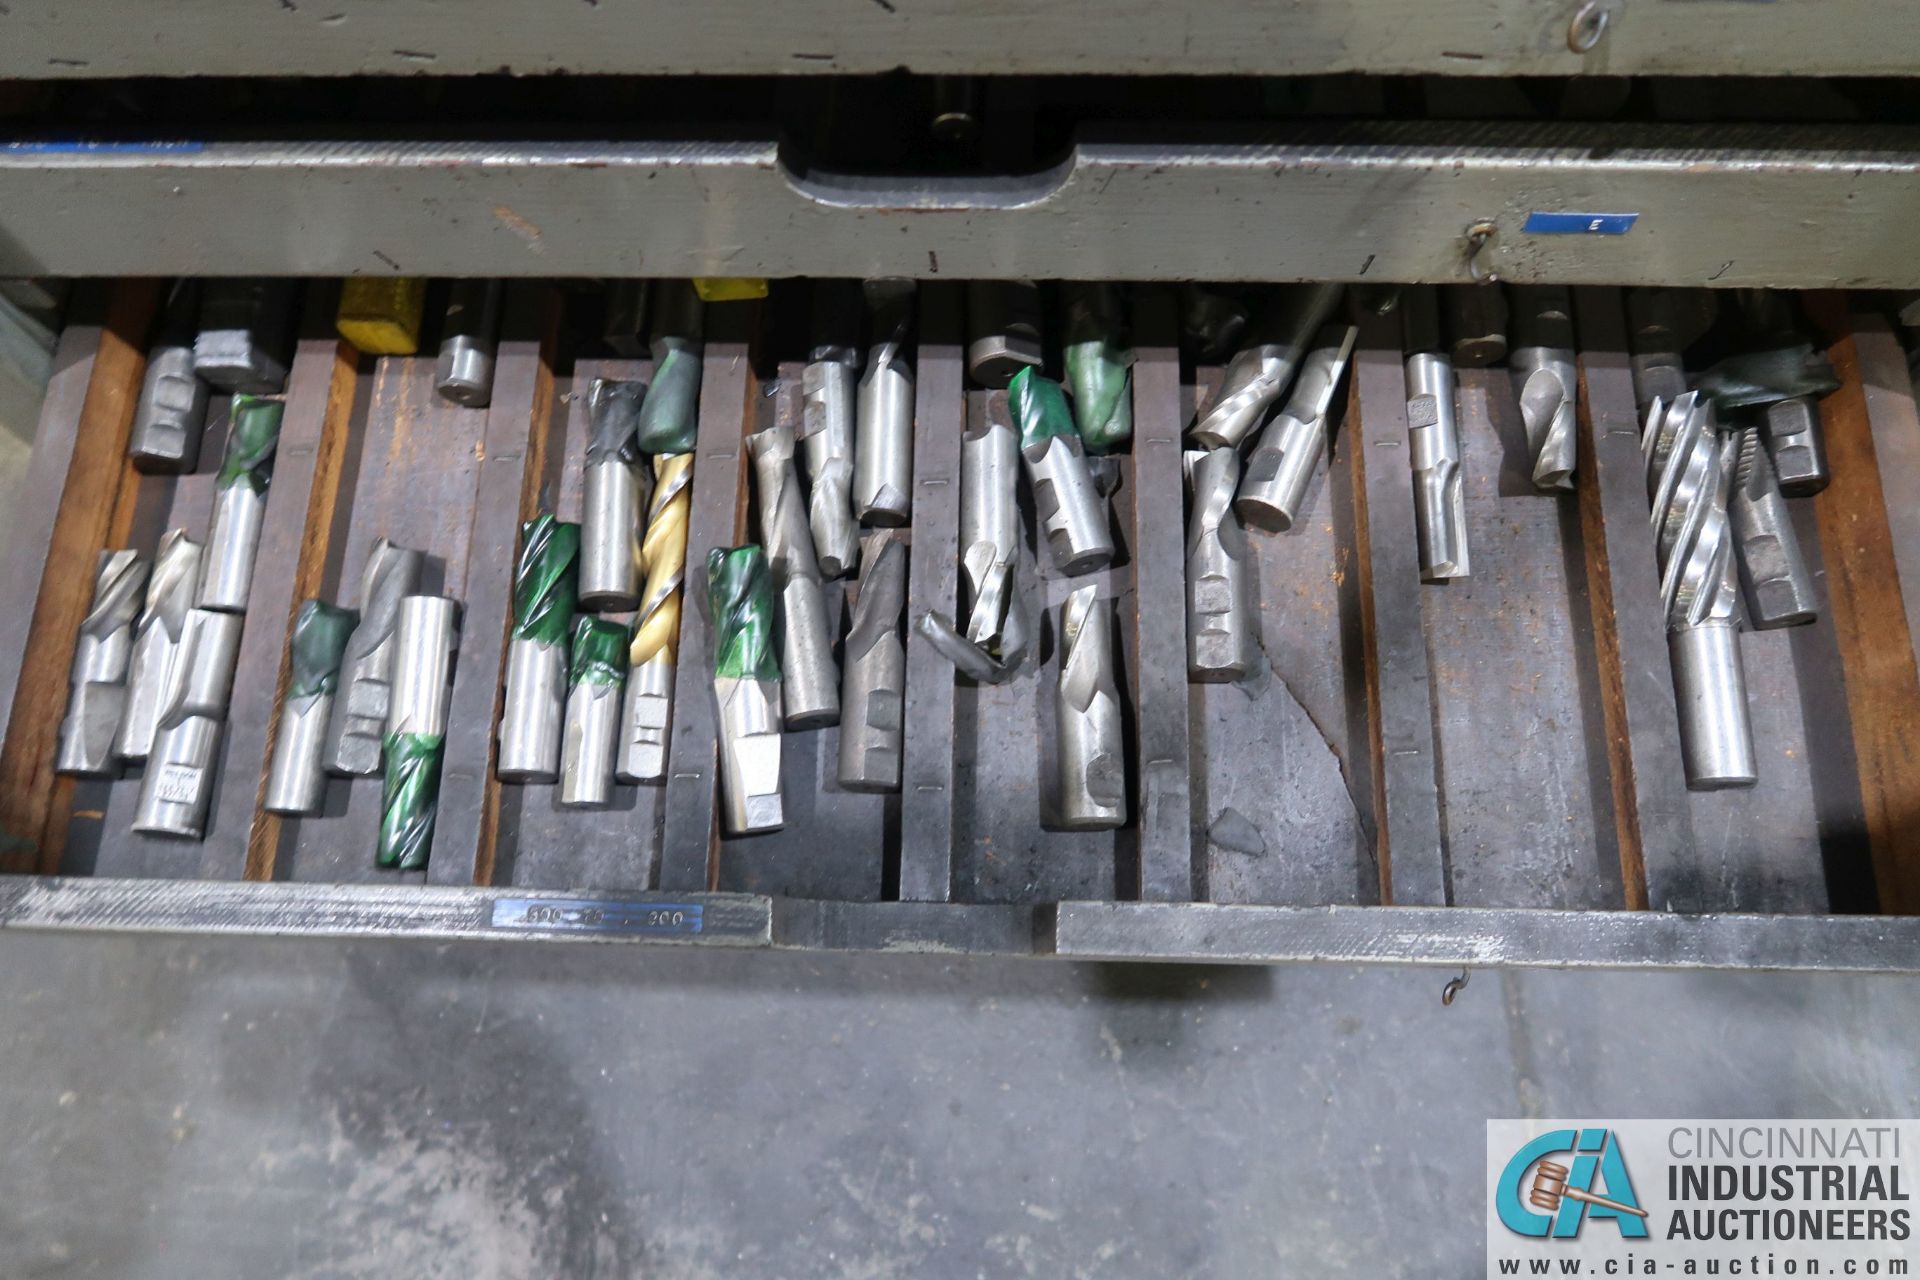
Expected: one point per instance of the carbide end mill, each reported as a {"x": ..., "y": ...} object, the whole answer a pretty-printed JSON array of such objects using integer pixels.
[
  {"x": 98, "y": 692},
  {"x": 172, "y": 412},
  {"x": 297, "y": 779},
  {"x": 244, "y": 326},
  {"x": 543, "y": 607},
  {"x": 469, "y": 340},
  {"x": 808, "y": 679},
  {"x": 648, "y": 715},
  {"x": 830, "y": 393},
  {"x": 625, "y": 325},
  {"x": 1261, "y": 371},
  {"x": 746, "y": 688},
  {"x": 1548, "y": 381},
  {"x": 1792, "y": 431},
  {"x": 359, "y": 719},
  {"x": 1774, "y": 574},
  {"x": 1439, "y": 492},
  {"x": 1476, "y": 324},
  {"x": 1280, "y": 469},
  {"x": 594, "y": 679},
  {"x": 670, "y": 416},
  {"x": 1092, "y": 764},
  {"x": 610, "y": 519},
  {"x": 240, "y": 504},
  {"x": 177, "y": 788},
  {"x": 1099, "y": 365},
  {"x": 876, "y": 674},
  {"x": 990, "y": 530},
  {"x": 883, "y": 449},
  {"x": 158, "y": 640},
  {"x": 1070, "y": 509},
  {"x": 1220, "y": 621},
  {"x": 1003, "y": 317},
  {"x": 426, "y": 636}
]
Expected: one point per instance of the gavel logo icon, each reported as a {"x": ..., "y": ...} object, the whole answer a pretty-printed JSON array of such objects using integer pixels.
[{"x": 1550, "y": 1185}]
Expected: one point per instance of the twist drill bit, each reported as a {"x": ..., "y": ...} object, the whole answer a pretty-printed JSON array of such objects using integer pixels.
[
  {"x": 1791, "y": 429},
  {"x": 178, "y": 784},
  {"x": 876, "y": 675},
  {"x": 610, "y": 507},
  {"x": 807, "y": 676},
  {"x": 1549, "y": 381},
  {"x": 1439, "y": 490},
  {"x": 543, "y": 606},
  {"x": 1661, "y": 324},
  {"x": 240, "y": 504},
  {"x": 98, "y": 692},
  {"x": 1773, "y": 573},
  {"x": 1476, "y": 324},
  {"x": 1099, "y": 365},
  {"x": 990, "y": 534},
  {"x": 1004, "y": 319},
  {"x": 746, "y": 687},
  {"x": 883, "y": 449},
  {"x": 469, "y": 340},
  {"x": 1261, "y": 371},
  {"x": 297, "y": 780},
  {"x": 830, "y": 392},
  {"x": 426, "y": 636},
  {"x": 624, "y": 328},
  {"x": 244, "y": 325},
  {"x": 648, "y": 716},
  {"x": 359, "y": 718},
  {"x": 1093, "y": 785},
  {"x": 1069, "y": 506},
  {"x": 1280, "y": 468},
  {"x": 158, "y": 641},
  {"x": 670, "y": 417},
  {"x": 1220, "y": 617},
  {"x": 1693, "y": 538},
  {"x": 594, "y": 678},
  {"x": 172, "y": 411}
]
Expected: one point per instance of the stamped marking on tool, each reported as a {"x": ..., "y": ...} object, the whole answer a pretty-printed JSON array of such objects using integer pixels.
[
  {"x": 1542, "y": 223},
  {"x": 597, "y": 915}
]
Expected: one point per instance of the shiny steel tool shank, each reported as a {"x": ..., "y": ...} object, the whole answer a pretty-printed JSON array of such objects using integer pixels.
[
  {"x": 297, "y": 779},
  {"x": 594, "y": 679},
  {"x": 1773, "y": 572},
  {"x": 468, "y": 342},
  {"x": 172, "y": 410},
  {"x": 1433, "y": 437},
  {"x": 746, "y": 689},
  {"x": 1220, "y": 619},
  {"x": 177, "y": 787},
  {"x": 425, "y": 637},
  {"x": 875, "y": 685},
  {"x": 1261, "y": 371},
  {"x": 808, "y": 680},
  {"x": 1280, "y": 469},
  {"x": 158, "y": 642},
  {"x": 240, "y": 504},
  {"x": 1092, "y": 761},
  {"x": 830, "y": 388},
  {"x": 647, "y": 719},
  {"x": 883, "y": 446},
  {"x": 97, "y": 695},
  {"x": 1071, "y": 512},
  {"x": 1547, "y": 381},
  {"x": 609, "y": 575},
  {"x": 544, "y": 583},
  {"x": 990, "y": 533},
  {"x": 359, "y": 720}
]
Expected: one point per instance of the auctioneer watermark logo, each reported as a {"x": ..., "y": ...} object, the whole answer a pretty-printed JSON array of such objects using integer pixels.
[{"x": 1701, "y": 1197}]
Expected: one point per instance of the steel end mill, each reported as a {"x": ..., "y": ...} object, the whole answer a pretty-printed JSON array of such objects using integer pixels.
[
  {"x": 830, "y": 387},
  {"x": 158, "y": 641},
  {"x": 297, "y": 779},
  {"x": 1072, "y": 514},
  {"x": 1693, "y": 538},
  {"x": 1092, "y": 763},
  {"x": 648, "y": 716},
  {"x": 543, "y": 607},
  {"x": 98, "y": 693},
  {"x": 1439, "y": 487},
  {"x": 746, "y": 689},
  {"x": 172, "y": 411},
  {"x": 594, "y": 679},
  {"x": 177, "y": 788},
  {"x": 610, "y": 520},
  {"x": 1548, "y": 381},
  {"x": 426, "y": 636},
  {"x": 808, "y": 678},
  {"x": 670, "y": 416},
  {"x": 1260, "y": 372},
  {"x": 1220, "y": 617},
  {"x": 1099, "y": 365},
  {"x": 874, "y": 696},
  {"x": 469, "y": 339},
  {"x": 359, "y": 720},
  {"x": 1773, "y": 572},
  {"x": 990, "y": 533},
  {"x": 1280, "y": 469},
  {"x": 883, "y": 446},
  {"x": 244, "y": 326},
  {"x": 1003, "y": 319},
  {"x": 240, "y": 504}
]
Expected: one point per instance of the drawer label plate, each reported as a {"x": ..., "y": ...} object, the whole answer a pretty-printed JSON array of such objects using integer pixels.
[
  {"x": 597, "y": 915},
  {"x": 1543, "y": 223}
]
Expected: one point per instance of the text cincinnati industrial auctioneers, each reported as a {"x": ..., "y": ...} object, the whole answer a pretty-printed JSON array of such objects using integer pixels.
[{"x": 1728, "y": 1183}]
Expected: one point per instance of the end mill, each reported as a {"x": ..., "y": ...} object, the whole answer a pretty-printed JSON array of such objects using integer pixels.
[
  {"x": 98, "y": 692},
  {"x": 648, "y": 716},
  {"x": 297, "y": 779},
  {"x": 670, "y": 415},
  {"x": 1773, "y": 572},
  {"x": 874, "y": 696},
  {"x": 426, "y": 636},
  {"x": 244, "y": 328},
  {"x": 1791, "y": 429},
  {"x": 543, "y": 608},
  {"x": 1220, "y": 618},
  {"x": 990, "y": 533},
  {"x": 1280, "y": 469},
  {"x": 159, "y": 641},
  {"x": 594, "y": 679},
  {"x": 1261, "y": 371},
  {"x": 746, "y": 689},
  {"x": 172, "y": 411},
  {"x": 830, "y": 386},
  {"x": 1099, "y": 365},
  {"x": 240, "y": 504},
  {"x": 177, "y": 787},
  {"x": 1548, "y": 380},
  {"x": 1003, "y": 320},
  {"x": 1476, "y": 324},
  {"x": 808, "y": 679},
  {"x": 1661, "y": 325},
  {"x": 469, "y": 340},
  {"x": 1433, "y": 437},
  {"x": 1072, "y": 515},
  {"x": 1092, "y": 757},
  {"x": 359, "y": 719},
  {"x": 610, "y": 508},
  {"x": 883, "y": 445}
]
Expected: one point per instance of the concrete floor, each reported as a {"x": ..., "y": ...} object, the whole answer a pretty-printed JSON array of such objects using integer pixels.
[{"x": 232, "y": 1107}]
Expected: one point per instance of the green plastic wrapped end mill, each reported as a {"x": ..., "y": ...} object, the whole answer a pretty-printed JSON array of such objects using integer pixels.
[
  {"x": 545, "y": 581},
  {"x": 409, "y": 799},
  {"x": 320, "y": 635},
  {"x": 599, "y": 651},
  {"x": 668, "y": 418},
  {"x": 740, "y": 591},
  {"x": 1038, "y": 408},
  {"x": 1099, "y": 368},
  {"x": 251, "y": 439}
]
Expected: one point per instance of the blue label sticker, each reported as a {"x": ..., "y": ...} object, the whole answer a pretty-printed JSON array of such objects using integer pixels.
[
  {"x": 1540, "y": 223},
  {"x": 67, "y": 145},
  {"x": 596, "y": 915}
]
